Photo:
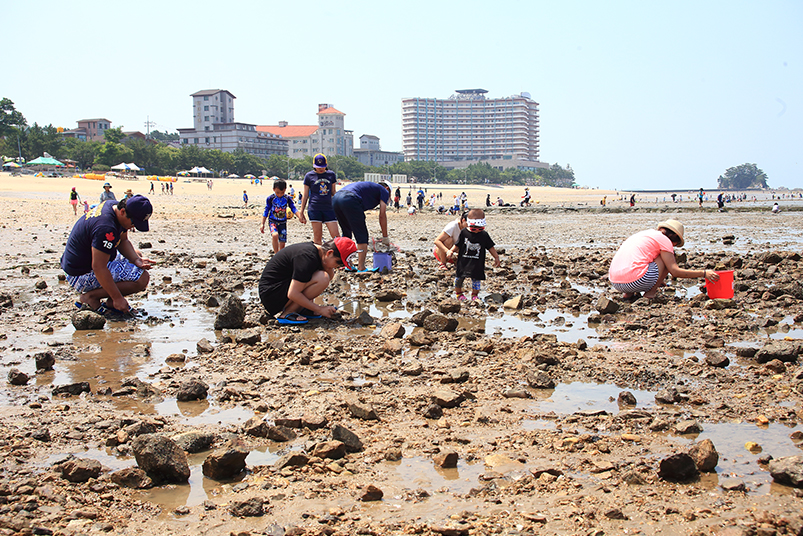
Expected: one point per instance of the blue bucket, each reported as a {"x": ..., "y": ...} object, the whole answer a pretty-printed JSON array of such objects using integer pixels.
[{"x": 383, "y": 261}]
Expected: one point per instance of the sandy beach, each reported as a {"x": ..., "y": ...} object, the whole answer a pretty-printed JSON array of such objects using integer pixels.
[{"x": 568, "y": 412}]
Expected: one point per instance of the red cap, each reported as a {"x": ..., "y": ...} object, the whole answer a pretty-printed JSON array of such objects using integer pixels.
[{"x": 346, "y": 247}]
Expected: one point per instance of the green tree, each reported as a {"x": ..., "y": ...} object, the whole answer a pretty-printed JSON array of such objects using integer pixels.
[
  {"x": 557, "y": 176},
  {"x": 114, "y": 135},
  {"x": 744, "y": 176},
  {"x": 164, "y": 136},
  {"x": 36, "y": 141},
  {"x": 10, "y": 118},
  {"x": 83, "y": 152},
  {"x": 347, "y": 167},
  {"x": 111, "y": 154}
]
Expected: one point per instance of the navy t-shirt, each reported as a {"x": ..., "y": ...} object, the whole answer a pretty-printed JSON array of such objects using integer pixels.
[
  {"x": 471, "y": 254},
  {"x": 370, "y": 193},
  {"x": 320, "y": 189},
  {"x": 97, "y": 229}
]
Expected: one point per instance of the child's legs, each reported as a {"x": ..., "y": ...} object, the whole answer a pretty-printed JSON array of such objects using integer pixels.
[
  {"x": 662, "y": 273},
  {"x": 317, "y": 232},
  {"x": 458, "y": 285},
  {"x": 334, "y": 230},
  {"x": 314, "y": 288},
  {"x": 476, "y": 285}
]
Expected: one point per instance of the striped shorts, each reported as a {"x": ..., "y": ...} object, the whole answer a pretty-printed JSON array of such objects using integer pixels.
[
  {"x": 643, "y": 284},
  {"x": 121, "y": 269}
]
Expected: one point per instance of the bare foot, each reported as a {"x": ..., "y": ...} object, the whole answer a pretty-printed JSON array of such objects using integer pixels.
[{"x": 650, "y": 295}]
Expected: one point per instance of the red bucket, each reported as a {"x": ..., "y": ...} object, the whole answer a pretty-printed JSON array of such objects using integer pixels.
[{"x": 722, "y": 289}]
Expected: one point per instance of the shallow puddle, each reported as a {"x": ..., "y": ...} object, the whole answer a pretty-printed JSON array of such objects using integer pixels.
[
  {"x": 421, "y": 473},
  {"x": 568, "y": 398}
]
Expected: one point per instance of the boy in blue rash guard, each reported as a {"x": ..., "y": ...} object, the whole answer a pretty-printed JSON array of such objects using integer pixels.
[{"x": 276, "y": 213}]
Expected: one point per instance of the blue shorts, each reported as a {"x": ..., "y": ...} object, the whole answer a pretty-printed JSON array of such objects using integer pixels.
[
  {"x": 643, "y": 284},
  {"x": 121, "y": 269},
  {"x": 280, "y": 228},
  {"x": 321, "y": 216},
  {"x": 350, "y": 216}
]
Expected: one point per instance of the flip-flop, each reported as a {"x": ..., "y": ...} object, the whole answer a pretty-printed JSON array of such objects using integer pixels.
[
  {"x": 368, "y": 270},
  {"x": 292, "y": 319},
  {"x": 309, "y": 314}
]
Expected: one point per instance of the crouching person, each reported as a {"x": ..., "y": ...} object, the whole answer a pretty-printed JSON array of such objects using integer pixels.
[{"x": 298, "y": 274}]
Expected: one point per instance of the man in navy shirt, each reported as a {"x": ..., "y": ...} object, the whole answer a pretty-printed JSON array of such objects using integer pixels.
[
  {"x": 350, "y": 204},
  {"x": 100, "y": 261}
]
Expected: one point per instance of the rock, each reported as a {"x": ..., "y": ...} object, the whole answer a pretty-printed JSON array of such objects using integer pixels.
[
  {"x": 678, "y": 468},
  {"x": 161, "y": 458},
  {"x": 221, "y": 256},
  {"x": 290, "y": 422},
  {"x": 775, "y": 366},
  {"x": 291, "y": 459},
  {"x": 420, "y": 338},
  {"x": 719, "y": 304},
  {"x": 626, "y": 398},
  {"x": 392, "y": 346},
  {"x": 606, "y": 306},
  {"x": 248, "y": 337},
  {"x": 41, "y": 284},
  {"x": 717, "y": 360},
  {"x": 540, "y": 380},
  {"x": 705, "y": 455},
  {"x": 732, "y": 484},
  {"x": 194, "y": 441},
  {"x": 364, "y": 319},
  {"x": 688, "y": 427},
  {"x": 192, "y": 390},
  {"x": 87, "y": 320},
  {"x": 253, "y": 507},
  {"x": 5, "y": 301},
  {"x": 74, "y": 389},
  {"x": 439, "y": 322},
  {"x": 452, "y": 529},
  {"x": 211, "y": 301},
  {"x": 412, "y": 369},
  {"x": 388, "y": 295},
  {"x": 446, "y": 459},
  {"x": 349, "y": 438},
  {"x": 80, "y": 469},
  {"x": 17, "y": 377},
  {"x": 668, "y": 396},
  {"x": 361, "y": 410},
  {"x": 231, "y": 314},
  {"x": 204, "y": 347},
  {"x": 447, "y": 398},
  {"x": 256, "y": 427},
  {"x": 495, "y": 297},
  {"x": 615, "y": 513},
  {"x": 393, "y": 330},
  {"x": 787, "y": 470},
  {"x": 280, "y": 434},
  {"x": 44, "y": 360},
  {"x": 433, "y": 411},
  {"x": 330, "y": 449},
  {"x": 41, "y": 434},
  {"x": 226, "y": 462},
  {"x": 513, "y": 303},
  {"x": 131, "y": 477},
  {"x": 516, "y": 393},
  {"x": 450, "y": 305},
  {"x": 370, "y": 493},
  {"x": 311, "y": 421},
  {"x": 456, "y": 376},
  {"x": 419, "y": 317},
  {"x": 393, "y": 454},
  {"x": 786, "y": 351},
  {"x": 175, "y": 358}
]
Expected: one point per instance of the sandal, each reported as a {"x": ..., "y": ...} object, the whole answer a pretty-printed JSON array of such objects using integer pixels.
[
  {"x": 462, "y": 297},
  {"x": 443, "y": 267},
  {"x": 291, "y": 319},
  {"x": 309, "y": 314}
]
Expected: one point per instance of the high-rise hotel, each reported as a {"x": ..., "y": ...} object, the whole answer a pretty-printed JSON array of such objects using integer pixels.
[{"x": 468, "y": 128}]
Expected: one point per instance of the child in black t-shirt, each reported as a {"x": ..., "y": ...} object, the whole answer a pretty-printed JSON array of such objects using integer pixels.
[{"x": 470, "y": 249}]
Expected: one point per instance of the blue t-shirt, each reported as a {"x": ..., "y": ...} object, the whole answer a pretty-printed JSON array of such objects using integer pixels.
[
  {"x": 276, "y": 208},
  {"x": 320, "y": 189},
  {"x": 97, "y": 229},
  {"x": 370, "y": 193}
]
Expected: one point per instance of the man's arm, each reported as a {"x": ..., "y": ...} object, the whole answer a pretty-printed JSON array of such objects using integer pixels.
[
  {"x": 383, "y": 218},
  {"x": 126, "y": 249}
]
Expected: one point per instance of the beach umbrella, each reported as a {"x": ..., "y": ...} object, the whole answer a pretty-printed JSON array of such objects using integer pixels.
[
  {"x": 11, "y": 164},
  {"x": 263, "y": 176},
  {"x": 183, "y": 173},
  {"x": 45, "y": 161},
  {"x": 233, "y": 176},
  {"x": 249, "y": 176}
]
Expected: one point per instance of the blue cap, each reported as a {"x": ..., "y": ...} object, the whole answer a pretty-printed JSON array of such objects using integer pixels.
[{"x": 139, "y": 209}]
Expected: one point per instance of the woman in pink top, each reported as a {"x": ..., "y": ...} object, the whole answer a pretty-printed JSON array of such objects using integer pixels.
[{"x": 644, "y": 259}]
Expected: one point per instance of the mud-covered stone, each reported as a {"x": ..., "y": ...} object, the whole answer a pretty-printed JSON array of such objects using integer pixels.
[
  {"x": 17, "y": 377},
  {"x": 193, "y": 389},
  {"x": 231, "y": 314},
  {"x": 678, "y": 468},
  {"x": 161, "y": 458},
  {"x": 80, "y": 469},
  {"x": 87, "y": 320},
  {"x": 226, "y": 462}
]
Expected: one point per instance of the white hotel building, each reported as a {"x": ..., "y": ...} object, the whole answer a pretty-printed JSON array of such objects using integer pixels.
[{"x": 468, "y": 128}]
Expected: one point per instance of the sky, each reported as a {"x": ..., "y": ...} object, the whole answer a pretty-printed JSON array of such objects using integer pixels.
[{"x": 632, "y": 94}]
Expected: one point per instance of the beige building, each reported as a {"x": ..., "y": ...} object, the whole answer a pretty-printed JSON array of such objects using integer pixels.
[
  {"x": 468, "y": 128},
  {"x": 329, "y": 136},
  {"x": 90, "y": 130}
]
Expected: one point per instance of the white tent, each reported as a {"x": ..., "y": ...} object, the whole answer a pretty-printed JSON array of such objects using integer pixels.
[
  {"x": 126, "y": 167},
  {"x": 133, "y": 167}
]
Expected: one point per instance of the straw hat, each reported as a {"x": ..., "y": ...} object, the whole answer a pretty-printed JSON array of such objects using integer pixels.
[
  {"x": 674, "y": 226},
  {"x": 129, "y": 192}
]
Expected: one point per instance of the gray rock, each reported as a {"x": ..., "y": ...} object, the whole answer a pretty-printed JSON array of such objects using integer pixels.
[
  {"x": 211, "y": 301},
  {"x": 446, "y": 459},
  {"x": 615, "y": 513},
  {"x": 364, "y": 319},
  {"x": 447, "y": 398},
  {"x": 433, "y": 411},
  {"x": 626, "y": 398},
  {"x": 204, "y": 347},
  {"x": 717, "y": 360},
  {"x": 248, "y": 337},
  {"x": 80, "y": 469},
  {"x": 450, "y": 305},
  {"x": 194, "y": 441},
  {"x": 419, "y": 317},
  {"x": 688, "y": 427},
  {"x": 161, "y": 458},
  {"x": 786, "y": 351},
  {"x": 540, "y": 380},
  {"x": 74, "y": 389},
  {"x": 787, "y": 470},
  {"x": 231, "y": 314},
  {"x": 349, "y": 438},
  {"x": 44, "y": 360},
  {"x": 516, "y": 393},
  {"x": 678, "y": 468},
  {"x": 291, "y": 459},
  {"x": 439, "y": 322},
  {"x": 87, "y": 320},
  {"x": 732, "y": 484},
  {"x": 17, "y": 377},
  {"x": 705, "y": 455},
  {"x": 388, "y": 295},
  {"x": 253, "y": 507},
  {"x": 280, "y": 434},
  {"x": 668, "y": 396},
  {"x": 226, "y": 462},
  {"x": 132, "y": 477},
  {"x": 606, "y": 306},
  {"x": 192, "y": 390}
]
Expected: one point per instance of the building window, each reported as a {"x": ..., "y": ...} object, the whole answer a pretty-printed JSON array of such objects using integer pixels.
[
  {"x": 196, "y": 141},
  {"x": 206, "y": 118},
  {"x": 206, "y": 108},
  {"x": 206, "y": 98}
]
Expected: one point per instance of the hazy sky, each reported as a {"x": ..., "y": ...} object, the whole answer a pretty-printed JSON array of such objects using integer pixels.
[{"x": 640, "y": 95}]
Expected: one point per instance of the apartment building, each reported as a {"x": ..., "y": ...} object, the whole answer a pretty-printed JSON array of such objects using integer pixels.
[
  {"x": 370, "y": 153},
  {"x": 329, "y": 136},
  {"x": 215, "y": 127},
  {"x": 468, "y": 128}
]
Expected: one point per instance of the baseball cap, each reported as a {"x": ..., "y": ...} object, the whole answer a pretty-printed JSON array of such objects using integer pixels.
[
  {"x": 139, "y": 209},
  {"x": 346, "y": 248},
  {"x": 319, "y": 161},
  {"x": 386, "y": 184}
]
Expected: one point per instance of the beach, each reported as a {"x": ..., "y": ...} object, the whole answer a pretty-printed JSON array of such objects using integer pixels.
[{"x": 513, "y": 421}]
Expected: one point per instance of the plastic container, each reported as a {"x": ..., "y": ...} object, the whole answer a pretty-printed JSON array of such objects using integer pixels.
[
  {"x": 382, "y": 261},
  {"x": 722, "y": 289}
]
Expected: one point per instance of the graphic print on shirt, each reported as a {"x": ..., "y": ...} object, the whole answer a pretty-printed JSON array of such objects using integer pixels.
[
  {"x": 472, "y": 250},
  {"x": 111, "y": 240},
  {"x": 323, "y": 187}
]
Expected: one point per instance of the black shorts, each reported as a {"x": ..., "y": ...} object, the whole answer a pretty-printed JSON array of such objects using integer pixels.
[{"x": 274, "y": 296}]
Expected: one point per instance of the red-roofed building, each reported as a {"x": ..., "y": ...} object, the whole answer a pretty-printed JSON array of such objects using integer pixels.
[{"x": 329, "y": 136}]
